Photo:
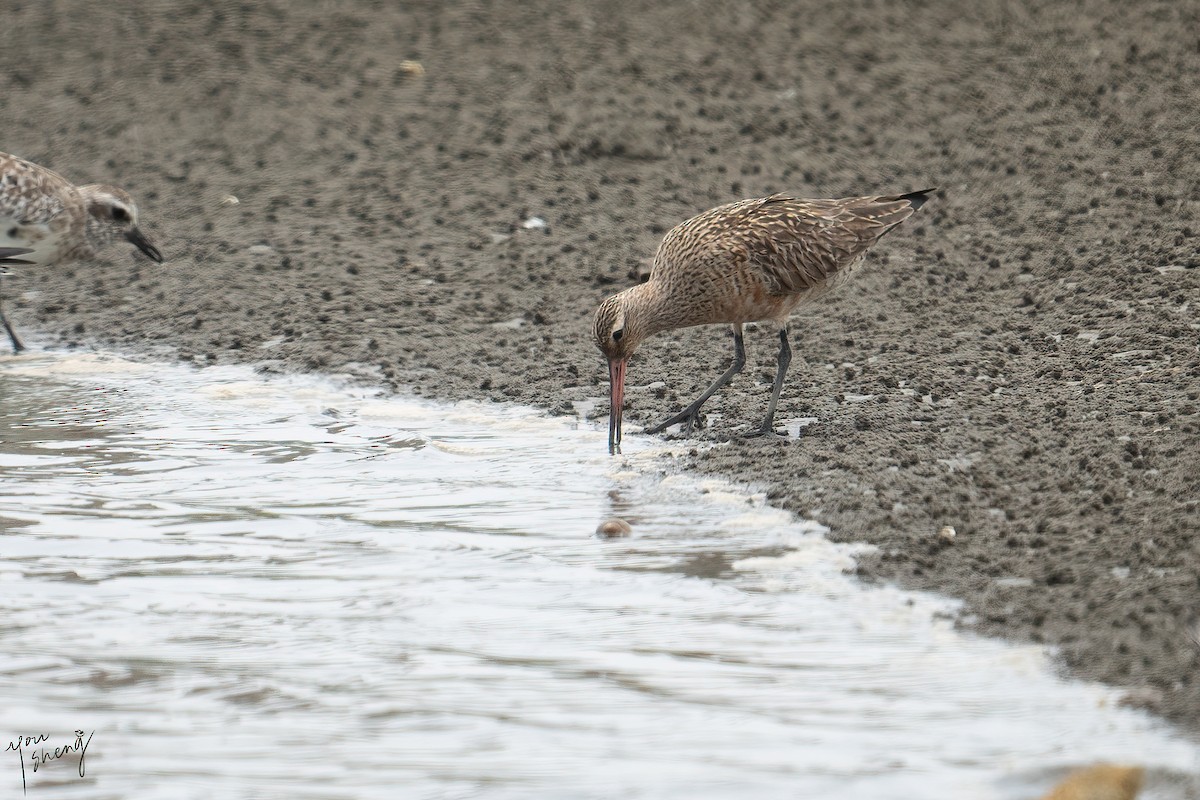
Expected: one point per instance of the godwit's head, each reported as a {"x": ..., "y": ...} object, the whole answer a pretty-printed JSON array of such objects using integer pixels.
[
  {"x": 111, "y": 214},
  {"x": 618, "y": 330}
]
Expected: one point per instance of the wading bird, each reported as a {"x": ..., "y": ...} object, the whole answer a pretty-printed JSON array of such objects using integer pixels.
[
  {"x": 750, "y": 261},
  {"x": 52, "y": 221}
]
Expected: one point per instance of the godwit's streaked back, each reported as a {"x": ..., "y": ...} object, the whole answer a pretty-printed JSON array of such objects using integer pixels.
[
  {"x": 748, "y": 261},
  {"x": 53, "y": 221}
]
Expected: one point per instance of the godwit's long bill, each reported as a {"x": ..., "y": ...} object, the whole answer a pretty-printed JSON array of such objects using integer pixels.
[
  {"x": 750, "y": 261},
  {"x": 49, "y": 220}
]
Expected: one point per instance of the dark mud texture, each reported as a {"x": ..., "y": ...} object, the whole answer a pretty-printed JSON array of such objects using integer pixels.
[{"x": 1019, "y": 361}]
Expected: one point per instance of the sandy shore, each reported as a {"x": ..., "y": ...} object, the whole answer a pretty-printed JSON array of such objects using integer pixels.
[{"x": 1019, "y": 361}]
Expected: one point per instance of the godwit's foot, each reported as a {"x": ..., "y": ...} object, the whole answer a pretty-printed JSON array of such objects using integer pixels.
[
  {"x": 764, "y": 431},
  {"x": 768, "y": 423},
  {"x": 690, "y": 416}
]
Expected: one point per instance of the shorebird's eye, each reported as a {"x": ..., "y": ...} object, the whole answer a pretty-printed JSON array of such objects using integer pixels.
[
  {"x": 120, "y": 214},
  {"x": 617, "y": 335}
]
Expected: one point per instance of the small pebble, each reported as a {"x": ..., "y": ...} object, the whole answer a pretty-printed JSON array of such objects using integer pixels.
[
  {"x": 412, "y": 68},
  {"x": 614, "y": 528},
  {"x": 948, "y": 533},
  {"x": 1099, "y": 782}
]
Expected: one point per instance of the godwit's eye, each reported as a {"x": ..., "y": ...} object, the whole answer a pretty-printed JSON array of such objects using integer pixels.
[
  {"x": 617, "y": 335},
  {"x": 120, "y": 214}
]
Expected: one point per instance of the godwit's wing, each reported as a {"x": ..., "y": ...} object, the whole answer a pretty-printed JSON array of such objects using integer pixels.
[{"x": 793, "y": 245}]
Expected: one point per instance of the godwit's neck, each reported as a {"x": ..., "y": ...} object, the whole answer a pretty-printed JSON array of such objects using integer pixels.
[{"x": 648, "y": 307}]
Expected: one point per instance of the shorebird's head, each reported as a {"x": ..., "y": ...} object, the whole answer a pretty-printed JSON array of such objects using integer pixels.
[
  {"x": 618, "y": 331},
  {"x": 111, "y": 214}
]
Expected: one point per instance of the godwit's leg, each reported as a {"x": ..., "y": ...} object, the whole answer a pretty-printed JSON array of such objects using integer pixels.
[
  {"x": 785, "y": 359},
  {"x": 691, "y": 414},
  {"x": 12, "y": 335}
]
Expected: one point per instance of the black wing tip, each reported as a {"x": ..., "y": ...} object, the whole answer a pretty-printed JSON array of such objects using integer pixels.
[{"x": 918, "y": 198}]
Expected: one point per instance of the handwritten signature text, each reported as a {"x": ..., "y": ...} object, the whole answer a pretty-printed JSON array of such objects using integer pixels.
[{"x": 39, "y": 755}]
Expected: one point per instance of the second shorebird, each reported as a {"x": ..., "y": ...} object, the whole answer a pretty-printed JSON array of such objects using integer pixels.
[
  {"x": 46, "y": 219},
  {"x": 749, "y": 261}
]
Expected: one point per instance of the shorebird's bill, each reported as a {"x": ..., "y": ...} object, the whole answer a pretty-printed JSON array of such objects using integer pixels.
[
  {"x": 139, "y": 240},
  {"x": 9, "y": 255},
  {"x": 616, "y": 399}
]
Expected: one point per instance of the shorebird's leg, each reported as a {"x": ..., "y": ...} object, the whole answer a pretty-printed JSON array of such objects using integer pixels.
[
  {"x": 785, "y": 359},
  {"x": 12, "y": 335},
  {"x": 691, "y": 414}
]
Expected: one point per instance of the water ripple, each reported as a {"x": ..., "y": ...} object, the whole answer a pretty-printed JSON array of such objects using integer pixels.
[{"x": 295, "y": 588}]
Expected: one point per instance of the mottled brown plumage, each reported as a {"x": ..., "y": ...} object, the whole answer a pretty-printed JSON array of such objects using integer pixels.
[
  {"x": 52, "y": 221},
  {"x": 749, "y": 261}
]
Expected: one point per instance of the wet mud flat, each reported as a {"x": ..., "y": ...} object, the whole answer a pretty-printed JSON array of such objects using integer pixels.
[{"x": 1018, "y": 362}]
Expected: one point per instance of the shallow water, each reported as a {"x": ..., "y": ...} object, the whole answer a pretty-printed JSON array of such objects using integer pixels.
[{"x": 291, "y": 587}]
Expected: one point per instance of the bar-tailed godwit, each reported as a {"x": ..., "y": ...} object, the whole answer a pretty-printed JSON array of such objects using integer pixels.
[{"x": 750, "y": 261}]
